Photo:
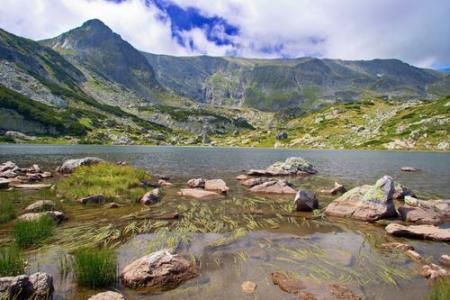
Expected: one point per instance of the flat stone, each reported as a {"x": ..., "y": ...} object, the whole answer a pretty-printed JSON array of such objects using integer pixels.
[
  {"x": 250, "y": 182},
  {"x": 92, "y": 199},
  {"x": 248, "y": 287},
  {"x": 413, "y": 254},
  {"x": 41, "y": 205},
  {"x": 107, "y": 296},
  {"x": 419, "y": 215},
  {"x": 198, "y": 193},
  {"x": 341, "y": 292},
  {"x": 429, "y": 232},
  {"x": 291, "y": 166},
  {"x": 286, "y": 283},
  {"x": 408, "y": 169},
  {"x": 273, "y": 187},
  {"x": 217, "y": 185},
  {"x": 31, "y": 186}
]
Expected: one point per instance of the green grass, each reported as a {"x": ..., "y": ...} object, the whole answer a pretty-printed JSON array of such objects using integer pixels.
[
  {"x": 30, "y": 233},
  {"x": 95, "y": 268},
  {"x": 7, "y": 210},
  {"x": 113, "y": 181},
  {"x": 11, "y": 262},
  {"x": 440, "y": 290}
]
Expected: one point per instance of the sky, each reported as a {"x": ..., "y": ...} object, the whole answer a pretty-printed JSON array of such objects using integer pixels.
[{"x": 415, "y": 31}]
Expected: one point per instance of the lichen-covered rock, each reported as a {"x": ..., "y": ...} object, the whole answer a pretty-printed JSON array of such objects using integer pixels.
[
  {"x": 159, "y": 270},
  {"x": 291, "y": 166},
  {"x": 109, "y": 295},
  {"x": 429, "y": 232},
  {"x": 217, "y": 185},
  {"x": 41, "y": 205},
  {"x": 70, "y": 165},
  {"x": 273, "y": 187},
  {"x": 367, "y": 203},
  {"x": 305, "y": 201},
  {"x": 151, "y": 197},
  {"x": 196, "y": 183},
  {"x": 56, "y": 216},
  {"x": 38, "y": 286},
  {"x": 198, "y": 193}
]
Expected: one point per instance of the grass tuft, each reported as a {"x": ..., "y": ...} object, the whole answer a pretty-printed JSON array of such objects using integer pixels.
[
  {"x": 440, "y": 290},
  {"x": 7, "y": 210},
  {"x": 11, "y": 262},
  {"x": 95, "y": 268},
  {"x": 29, "y": 233}
]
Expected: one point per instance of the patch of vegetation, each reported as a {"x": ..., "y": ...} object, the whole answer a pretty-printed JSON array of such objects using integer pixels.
[
  {"x": 113, "y": 181},
  {"x": 11, "y": 262},
  {"x": 7, "y": 210},
  {"x": 30, "y": 233},
  {"x": 95, "y": 268},
  {"x": 440, "y": 290}
]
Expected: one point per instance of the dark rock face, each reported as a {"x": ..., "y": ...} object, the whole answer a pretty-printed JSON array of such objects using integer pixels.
[
  {"x": 38, "y": 286},
  {"x": 306, "y": 201}
]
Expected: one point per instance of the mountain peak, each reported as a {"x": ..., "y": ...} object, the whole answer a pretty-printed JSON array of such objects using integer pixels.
[{"x": 96, "y": 25}]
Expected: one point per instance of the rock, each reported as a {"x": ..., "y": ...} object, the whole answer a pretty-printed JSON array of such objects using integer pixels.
[
  {"x": 408, "y": 169},
  {"x": 196, "y": 183},
  {"x": 341, "y": 292},
  {"x": 198, "y": 193},
  {"x": 397, "y": 246},
  {"x": 273, "y": 187},
  {"x": 112, "y": 205},
  {"x": 41, "y": 205},
  {"x": 8, "y": 174},
  {"x": 242, "y": 177},
  {"x": 4, "y": 183},
  {"x": 445, "y": 260},
  {"x": 287, "y": 284},
  {"x": 255, "y": 181},
  {"x": 441, "y": 207},
  {"x": 281, "y": 136},
  {"x": 9, "y": 165},
  {"x": 305, "y": 201},
  {"x": 35, "y": 186},
  {"x": 33, "y": 177},
  {"x": 402, "y": 191},
  {"x": 419, "y": 215},
  {"x": 38, "y": 286},
  {"x": 217, "y": 185},
  {"x": 163, "y": 182},
  {"x": 109, "y": 295},
  {"x": 57, "y": 216},
  {"x": 248, "y": 287},
  {"x": 19, "y": 135},
  {"x": 46, "y": 175},
  {"x": 337, "y": 189},
  {"x": 35, "y": 168},
  {"x": 429, "y": 232},
  {"x": 159, "y": 270},
  {"x": 92, "y": 199},
  {"x": 367, "y": 203},
  {"x": 70, "y": 165},
  {"x": 413, "y": 254},
  {"x": 151, "y": 197},
  {"x": 292, "y": 166},
  {"x": 302, "y": 295},
  {"x": 433, "y": 271}
]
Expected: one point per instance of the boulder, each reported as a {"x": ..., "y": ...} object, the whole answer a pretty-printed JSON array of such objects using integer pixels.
[
  {"x": 92, "y": 199},
  {"x": 291, "y": 166},
  {"x": 367, "y": 203},
  {"x": 196, "y": 183},
  {"x": 68, "y": 166},
  {"x": 305, "y": 201},
  {"x": 419, "y": 215},
  {"x": 286, "y": 283},
  {"x": 57, "y": 216},
  {"x": 157, "y": 271},
  {"x": 445, "y": 260},
  {"x": 273, "y": 187},
  {"x": 4, "y": 183},
  {"x": 337, "y": 189},
  {"x": 429, "y": 232},
  {"x": 151, "y": 197},
  {"x": 163, "y": 182},
  {"x": 248, "y": 287},
  {"x": 433, "y": 271},
  {"x": 217, "y": 185},
  {"x": 109, "y": 295},
  {"x": 38, "y": 286},
  {"x": 408, "y": 169},
  {"x": 198, "y": 193},
  {"x": 402, "y": 191},
  {"x": 255, "y": 181},
  {"x": 41, "y": 205}
]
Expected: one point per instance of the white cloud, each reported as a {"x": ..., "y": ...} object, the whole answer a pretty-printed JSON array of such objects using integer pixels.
[{"x": 412, "y": 30}]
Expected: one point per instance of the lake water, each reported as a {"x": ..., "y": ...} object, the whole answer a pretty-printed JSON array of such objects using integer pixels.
[{"x": 319, "y": 251}]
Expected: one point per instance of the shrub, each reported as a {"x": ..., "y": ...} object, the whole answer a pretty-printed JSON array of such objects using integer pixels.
[
  {"x": 440, "y": 290},
  {"x": 95, "y": 268},
  {"x": 29, "y": 233},
  {"x": 11, "y": 262},
  {"x": 7, "y": 210}
]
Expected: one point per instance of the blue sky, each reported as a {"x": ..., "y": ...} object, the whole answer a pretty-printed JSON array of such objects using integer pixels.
[{"x": 411, "y": 30}]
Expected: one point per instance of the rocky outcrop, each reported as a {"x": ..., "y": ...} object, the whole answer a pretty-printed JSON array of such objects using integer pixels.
[
  {"x": 68, "y": 166},
  {"x": 273, "y": 187},
  {"x": 157, "y": 271},
  {"x": 291, "y": 166},
  {"x": 198, "y": 194},
  {"x": 305, "y": 201},
  {"x": 107, "y": 296},
  {"x": 151, "y": 197},
  {"x": 428, "y": 232},
  {"x": 217, "y": 185},
  {"x": 92, "y": 199},
  {"x": 56, "y": 216},
  {"x": 367, "y": 203},
  {"x": 38, "y": 286},
  {"x": 196, "y": 183},
  {"x": 41, "y": 205}
]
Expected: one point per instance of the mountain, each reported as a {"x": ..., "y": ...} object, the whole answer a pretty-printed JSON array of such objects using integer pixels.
[{"x": 274, "y": 84}]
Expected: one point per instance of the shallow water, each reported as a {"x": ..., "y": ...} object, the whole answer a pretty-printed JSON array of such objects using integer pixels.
[{"x": 274, "y": 238}]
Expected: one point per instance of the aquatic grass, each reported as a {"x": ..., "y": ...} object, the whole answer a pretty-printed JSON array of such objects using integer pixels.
[
  {"x": 95, "y": 268},
  {"x": 7, "y": 210},
  {"x": 30, "y": 233},
  {"x": 11, "y": 261},
  {"x": 440, "y": 290},
  {"x": 115, "y": 182},
  {"x": 65, "y": 265}
]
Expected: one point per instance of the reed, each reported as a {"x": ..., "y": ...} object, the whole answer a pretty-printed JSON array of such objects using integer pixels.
[
  {"x": 95, "y": 268},
  {"x": 30, "y": 233},
  {"x": 11, "y": 262},
  {"x": 7, "y": 210}
]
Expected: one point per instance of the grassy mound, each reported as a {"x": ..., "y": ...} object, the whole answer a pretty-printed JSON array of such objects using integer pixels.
[
  {"x": 29, "y": 233},
  {"x": 95, "y": 268},
  {"x": 119, "y": 183},
  {"x": 11, "y": 262}
]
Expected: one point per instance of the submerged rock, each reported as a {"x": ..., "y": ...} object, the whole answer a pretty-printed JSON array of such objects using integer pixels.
[
  {"x": 41, "y": 205},
  {"x": 107, "y": 296},
  {"x": 159, "y": 270},
  {"x": 196, "y": 183},
  {"x": 305, "y": 201},
  {"x": 151, "y": 197},
  {"x": 248, "y": 287},
  {"x": 57, "y": 216},
  {"x": 70, "y": 165},
  {"x": 38, "y": 286},
  {"x": 92, "y": 199},
  {"x": 286, "y": 283},
  {"x": 216, "y": 185},
  {"x": 273, "y": 187},
  {"x": 198, "y": 193},
  {"x": 429, "y": 232},
  {"x": 291, "y": 166},
  {"x": 367, "y": 203}
]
